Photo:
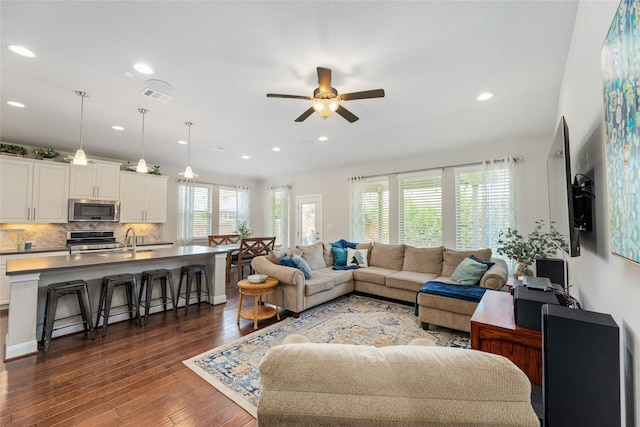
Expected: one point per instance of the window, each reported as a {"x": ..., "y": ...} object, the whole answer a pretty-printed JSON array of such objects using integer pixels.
[
  {"x": 234, "y": 208},
  {"x": 277, "y": 214},
  {"x": 195, "y": 206},
  {"x": 420, "y": 209},
  {"x": 369, "y": 209},
  {"x": 469, "y": 208}
]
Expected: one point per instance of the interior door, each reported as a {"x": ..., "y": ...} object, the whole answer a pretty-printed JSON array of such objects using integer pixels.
[{"x": 308, "y": 219}]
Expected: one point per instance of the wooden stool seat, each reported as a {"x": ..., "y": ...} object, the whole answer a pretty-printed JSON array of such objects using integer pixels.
[{"x": 55, "y": 291}]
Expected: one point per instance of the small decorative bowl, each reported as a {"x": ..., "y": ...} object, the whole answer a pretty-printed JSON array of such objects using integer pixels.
[{"x": 257, "y": 278}]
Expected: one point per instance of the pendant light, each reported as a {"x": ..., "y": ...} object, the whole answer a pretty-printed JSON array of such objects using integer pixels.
[
  {"x": 80, "y": 158},
  {"x": 142, "y": 165},
  {"x": 188, "y": 172}
]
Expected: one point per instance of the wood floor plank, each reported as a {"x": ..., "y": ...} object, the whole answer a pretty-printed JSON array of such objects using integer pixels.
[{"x": 134, "y": 376}]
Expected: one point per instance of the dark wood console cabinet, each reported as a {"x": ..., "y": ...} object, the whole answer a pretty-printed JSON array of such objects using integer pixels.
[{"x": 493, "y": 330}]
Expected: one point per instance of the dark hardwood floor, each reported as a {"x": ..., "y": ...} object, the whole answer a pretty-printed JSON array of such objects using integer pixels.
[{"x": 132, "y": 377}]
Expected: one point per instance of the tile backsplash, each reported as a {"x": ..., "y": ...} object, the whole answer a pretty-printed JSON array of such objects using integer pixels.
[{"x": 55, "y": 235}]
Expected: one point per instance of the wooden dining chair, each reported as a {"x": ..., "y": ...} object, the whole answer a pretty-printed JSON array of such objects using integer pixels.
[
  {"x": 224, "y": 239},
  {"x": 250, "y": 248}
]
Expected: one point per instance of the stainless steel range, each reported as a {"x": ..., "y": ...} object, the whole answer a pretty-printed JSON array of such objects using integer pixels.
[{"x": 83, "y": 242}]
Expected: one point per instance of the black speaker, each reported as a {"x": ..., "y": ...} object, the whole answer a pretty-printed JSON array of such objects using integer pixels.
[
  {"x": 552, "y": 268},
  {"x": 527, "y": 304},
  {"x": 580, "y": 368}
]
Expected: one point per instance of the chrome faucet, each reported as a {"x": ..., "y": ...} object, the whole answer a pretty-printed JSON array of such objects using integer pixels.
[{"x": 126, "y": 238}]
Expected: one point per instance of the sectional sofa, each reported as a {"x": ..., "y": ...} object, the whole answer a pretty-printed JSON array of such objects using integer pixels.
[{"x": 392, "y": 271}]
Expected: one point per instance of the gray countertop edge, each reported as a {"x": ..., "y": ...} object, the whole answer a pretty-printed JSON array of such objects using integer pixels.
[
  {"x": 37, "y": 250},
  {"x": 67, "y": 262}
]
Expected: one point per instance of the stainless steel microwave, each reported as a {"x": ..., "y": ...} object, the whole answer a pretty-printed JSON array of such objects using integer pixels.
[{"x": 94, "y": 210}]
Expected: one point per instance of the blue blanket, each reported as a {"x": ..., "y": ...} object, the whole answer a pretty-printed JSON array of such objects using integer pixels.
[
  {"x": 346, "y": 267},
  {"x": 464, "y": 292}
]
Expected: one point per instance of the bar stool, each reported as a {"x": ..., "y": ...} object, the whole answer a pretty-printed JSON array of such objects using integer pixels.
[
  {"x": 106, "y": 294},
  {"x": 150, "y": 277},
  {"x": 193, "y": 272},
  {"x": 55, "y": 291}
]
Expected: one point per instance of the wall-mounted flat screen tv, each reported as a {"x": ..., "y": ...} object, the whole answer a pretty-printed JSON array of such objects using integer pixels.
[{"x": 561, "y": 195}]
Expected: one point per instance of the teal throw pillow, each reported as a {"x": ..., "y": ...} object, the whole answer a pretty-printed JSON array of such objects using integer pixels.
[
  {"x": 287, "y": 261},
  {"x": 469, "y": 272},
  {"x": 339, "y": 256},
  {"x": 302, "y": 266}
]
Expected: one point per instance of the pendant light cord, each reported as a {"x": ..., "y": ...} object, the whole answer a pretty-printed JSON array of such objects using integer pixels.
[
  {"x": 143, "y": 111},
  {"x": 82, "y": 95}
]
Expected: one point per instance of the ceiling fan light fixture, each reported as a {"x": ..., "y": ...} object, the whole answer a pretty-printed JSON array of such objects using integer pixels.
[{"x": 325, "y": 107}]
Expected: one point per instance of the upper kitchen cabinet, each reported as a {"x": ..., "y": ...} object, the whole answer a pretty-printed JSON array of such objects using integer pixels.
[
  {"x": 143, "y": 198},
  {"x": 98, "y": 180},
  {"x": 33, "y": 191}
]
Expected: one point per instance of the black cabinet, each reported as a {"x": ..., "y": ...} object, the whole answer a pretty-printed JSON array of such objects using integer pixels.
[{"x": 580, "y": 368}]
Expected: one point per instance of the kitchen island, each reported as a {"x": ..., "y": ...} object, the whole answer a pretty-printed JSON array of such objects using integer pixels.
[{"x": 29, "y": 279}]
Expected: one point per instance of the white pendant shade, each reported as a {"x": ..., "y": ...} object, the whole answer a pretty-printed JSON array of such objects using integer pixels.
[
  {"x": 142, "y": 166},
  {"x": 80, "y": 158},
  {"x": 188, "y": 173}
]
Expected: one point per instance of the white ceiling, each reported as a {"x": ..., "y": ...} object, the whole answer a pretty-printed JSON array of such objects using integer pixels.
[{"x": 433, "y": 58}]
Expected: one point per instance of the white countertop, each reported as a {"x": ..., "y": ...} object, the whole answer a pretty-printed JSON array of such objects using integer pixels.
[{"x": 63, "y": 262}]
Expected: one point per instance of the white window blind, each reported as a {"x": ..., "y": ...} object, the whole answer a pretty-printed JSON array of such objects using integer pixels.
[
  {"x": 420, "y": 209},
  {"x": 469, "y": 208},
  {"x": 202, "y": 206},
  {"x": 234, "y": 208},
  {"x": 277, "y": 214},
  {"x": 375, "y": 209}
]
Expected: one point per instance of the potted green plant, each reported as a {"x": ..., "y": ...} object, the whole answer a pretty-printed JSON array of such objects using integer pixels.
[
  {"x": 13, "y": 150},
  {"x": 524, "y": 250},
  {"x": 243, "y": 230},
  {"x": 46, "y": 153}
]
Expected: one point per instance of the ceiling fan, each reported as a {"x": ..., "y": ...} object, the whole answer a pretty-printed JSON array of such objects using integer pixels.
[{"x": 326, "y": 99}]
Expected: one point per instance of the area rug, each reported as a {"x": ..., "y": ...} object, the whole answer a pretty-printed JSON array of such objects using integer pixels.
[{"x": 233, "y": 368}]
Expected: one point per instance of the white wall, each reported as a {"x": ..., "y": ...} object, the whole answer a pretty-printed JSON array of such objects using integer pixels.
[{"x": 602, "y": 282}]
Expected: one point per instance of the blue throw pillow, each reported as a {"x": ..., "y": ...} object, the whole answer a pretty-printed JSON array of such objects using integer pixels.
[
  {"x": 344, "y": 244},
  {"x": 489, "y": 264},
  {"x": 287, "y": 261},
  {"x": 339, "y": 256},
  {"x": 302, "y": 266}
]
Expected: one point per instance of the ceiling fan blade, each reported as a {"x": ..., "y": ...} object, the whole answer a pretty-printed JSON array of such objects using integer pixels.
[
  {"x": 346, "y": 114},
  {"x": 306, "y": 114},
  {"x": 376, "y": 93},
  {"x": 278, "y": 95},
  {"x": 324, "y": 79}
]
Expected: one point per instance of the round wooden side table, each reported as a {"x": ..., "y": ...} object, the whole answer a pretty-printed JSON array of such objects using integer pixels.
[{"x": 258, "y": 311}]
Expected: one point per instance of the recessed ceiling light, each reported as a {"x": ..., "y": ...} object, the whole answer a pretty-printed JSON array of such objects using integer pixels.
[
  {"x": 143, "y": 68},
  {"x": 181, "y": 142},
  {"x": 128, "y": 74},
  {"x": 485, "y": 96},
  {"x": 245, "y": 157},
  {"x": 323, "y": 139},
  {"x": 116, "y": 127},
  {"x": 16, "y": 104},
  {"x": 275, "y": 149},
  {"x": 21, "y": 50}
]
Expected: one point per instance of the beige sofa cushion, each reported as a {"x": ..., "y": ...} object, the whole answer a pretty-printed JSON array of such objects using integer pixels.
[
  {"x": 409, "y": 280},
  {"x": 306, "y": 384},
  {"x": 375, "y": 275},
  {"x": 318, "y": 283},
  {"x": 423, "y": 260},
  {"x": 338, "y": 276},
  {"x": 452, "y": 258},
  {"x": 313, "y": 255},
  {"x": 387, "y": 256}
]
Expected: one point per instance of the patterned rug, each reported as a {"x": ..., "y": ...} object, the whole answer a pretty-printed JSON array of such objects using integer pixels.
[{"x": 233, "y": 368}]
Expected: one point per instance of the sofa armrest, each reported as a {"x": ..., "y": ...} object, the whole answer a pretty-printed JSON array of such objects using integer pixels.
[
  {"x": 285, "y": 275},
  {"x": 495, "y": 277}
]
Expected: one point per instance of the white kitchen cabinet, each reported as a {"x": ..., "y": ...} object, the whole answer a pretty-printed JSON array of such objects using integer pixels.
[
  {"x": 143, "y": 198},
  {"x": 98, "y": 180},
  {"x": 33, "y": 191},
  {"x": 5, "y": 284}
]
